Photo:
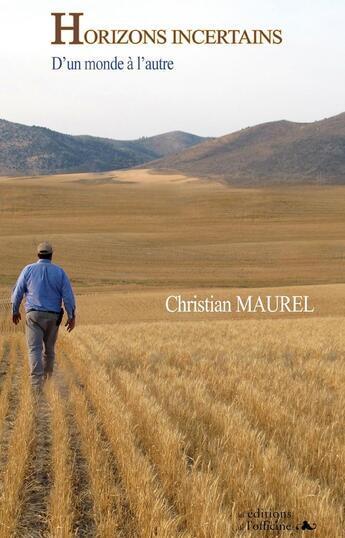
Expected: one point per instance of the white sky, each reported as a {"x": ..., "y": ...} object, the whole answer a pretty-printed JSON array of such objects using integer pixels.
[{"x": 213, "y": 90}]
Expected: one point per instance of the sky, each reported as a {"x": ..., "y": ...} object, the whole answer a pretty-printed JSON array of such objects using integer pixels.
[{"x": 212, "y": 90}]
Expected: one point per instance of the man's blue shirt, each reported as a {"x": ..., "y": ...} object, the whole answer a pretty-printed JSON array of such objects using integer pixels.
[{"x": 45, "y": 285}]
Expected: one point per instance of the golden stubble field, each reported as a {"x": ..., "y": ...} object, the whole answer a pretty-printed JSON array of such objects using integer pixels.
[{"x": 164, "y": 425}]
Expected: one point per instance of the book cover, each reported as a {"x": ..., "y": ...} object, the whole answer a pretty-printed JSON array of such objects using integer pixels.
[{"x": 172, "y": 175}]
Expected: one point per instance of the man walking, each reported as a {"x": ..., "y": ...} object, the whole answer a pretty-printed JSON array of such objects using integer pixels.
[{"x": 45, "y": 285}]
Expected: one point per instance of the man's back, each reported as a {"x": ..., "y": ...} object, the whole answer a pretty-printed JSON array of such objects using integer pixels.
[{"x": 45, "y": 285}]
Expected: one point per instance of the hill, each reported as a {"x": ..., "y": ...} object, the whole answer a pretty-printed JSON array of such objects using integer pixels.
[
  {"x": 36, "y": 150},
  {"x": 272, "y": 152}
]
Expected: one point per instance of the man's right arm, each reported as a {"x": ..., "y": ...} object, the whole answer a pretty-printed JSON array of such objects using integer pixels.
[
  {"x": 18, "y": 292},
  {"x": 17, "y": 296}
]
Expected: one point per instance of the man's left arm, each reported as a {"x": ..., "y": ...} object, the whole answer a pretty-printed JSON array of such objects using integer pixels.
[
  {"x": 17, "y": 297},
  {"x": 69, "y": 302}
]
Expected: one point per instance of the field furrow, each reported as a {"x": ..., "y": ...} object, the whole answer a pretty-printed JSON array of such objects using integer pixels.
[
  {"x": 71, "y": 469},
  {"x": 146, "y": 498},
  {"x": 8, "y": 373},
  {"x": 189, "y": 487},
  {"x": 60, "y": 504},
  {"x": 5, "y": 349},
  {"x": 107, "y": 503},
  {"x": 18, "y": 454}
]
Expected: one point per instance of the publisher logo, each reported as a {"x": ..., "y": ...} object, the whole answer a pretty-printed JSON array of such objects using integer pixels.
[{"x": 305, "y": 526}]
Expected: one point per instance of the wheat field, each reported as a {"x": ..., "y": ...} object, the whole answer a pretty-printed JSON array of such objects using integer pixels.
[
  {"x": 175, "y": 426},
  {"x": 176, "y": 429}
]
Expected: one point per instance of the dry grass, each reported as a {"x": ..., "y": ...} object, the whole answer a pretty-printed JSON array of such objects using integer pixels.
[
  {"x": 186, "y": 425},
  {"x": 17, "y": 461},
  {"x": 9, "y": 353},
  {"x": 145, "y": 496},
  {"x": 194, "y": 491},
  {"x": 61, "y": 498},
  {"x": 106, "y": 496},
  {"x": 197, "y": 397}
]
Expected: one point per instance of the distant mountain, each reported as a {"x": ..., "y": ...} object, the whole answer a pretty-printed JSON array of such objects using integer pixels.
[
  {"x": 274, "y": 152},
  {"x": 35, "y": 150}
]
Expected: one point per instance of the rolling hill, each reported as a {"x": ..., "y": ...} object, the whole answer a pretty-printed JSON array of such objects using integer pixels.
[
  {"x": 26, "y": 150},
  {"x": 274, "y": 152}
]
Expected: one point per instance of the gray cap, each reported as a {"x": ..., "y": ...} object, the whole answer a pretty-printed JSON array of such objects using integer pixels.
[{"x": 44, "y": 248}]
